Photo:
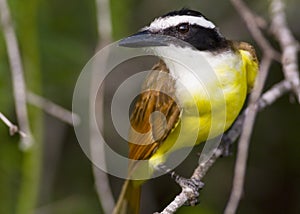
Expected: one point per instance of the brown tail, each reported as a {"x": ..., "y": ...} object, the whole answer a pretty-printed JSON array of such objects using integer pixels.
[{"x": 129, "y": 199}]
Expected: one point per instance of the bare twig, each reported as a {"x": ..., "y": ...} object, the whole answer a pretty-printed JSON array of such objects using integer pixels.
[
  {"x": 104, "y": 22},
  {"x": 253, "y": 24},
  {"x": 288, "y": 44},
  {"x": 19, "y": 87},
  {"x": 273, "y": 94},
  {"x": 53, "y": 109},
  {"x": 290, "y": 68},
  {"x": 242, "y": 156},
  {"x": 13, "y": 129},
  {"x": 97, "y": 151},
  {"x": 243, "y": 145}
]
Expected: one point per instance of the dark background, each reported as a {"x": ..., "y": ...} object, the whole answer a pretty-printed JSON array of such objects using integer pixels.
[{"x": 57, "y": 38}]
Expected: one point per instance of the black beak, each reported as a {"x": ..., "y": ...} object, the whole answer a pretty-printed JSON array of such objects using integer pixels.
[{"x": 146, "y": 39}]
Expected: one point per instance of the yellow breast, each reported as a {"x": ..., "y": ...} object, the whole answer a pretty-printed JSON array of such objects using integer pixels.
[{"x": 210, "y": 105}]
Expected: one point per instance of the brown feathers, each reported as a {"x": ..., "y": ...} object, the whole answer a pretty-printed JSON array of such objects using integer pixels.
[
  {"x": 155, "y": 113},
  {"x": 246, "y": 47}
]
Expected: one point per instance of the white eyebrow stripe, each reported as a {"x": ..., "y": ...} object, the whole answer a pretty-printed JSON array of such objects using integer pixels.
[{"x": 172, "y": 21}]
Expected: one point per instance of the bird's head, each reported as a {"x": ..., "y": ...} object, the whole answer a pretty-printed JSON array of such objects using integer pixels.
[{"x": 179, "y": 28}]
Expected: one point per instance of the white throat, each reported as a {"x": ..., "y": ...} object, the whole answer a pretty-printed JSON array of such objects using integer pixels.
[{"x": 197, "y": 72}]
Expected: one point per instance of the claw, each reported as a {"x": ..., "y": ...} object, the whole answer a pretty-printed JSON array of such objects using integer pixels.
[
  {"x": 227, "y": 150},
  {"x": 192, "y": 187}
]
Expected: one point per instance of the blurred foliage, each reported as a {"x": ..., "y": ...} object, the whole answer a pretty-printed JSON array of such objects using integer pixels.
[{"x": 56, "y": 39}]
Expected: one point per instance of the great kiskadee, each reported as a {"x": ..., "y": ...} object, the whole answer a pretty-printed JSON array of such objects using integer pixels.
[{"x": 235, "y": 66}]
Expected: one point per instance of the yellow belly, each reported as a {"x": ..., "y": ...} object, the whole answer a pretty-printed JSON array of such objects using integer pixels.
[{"x": 218, "y": 105}]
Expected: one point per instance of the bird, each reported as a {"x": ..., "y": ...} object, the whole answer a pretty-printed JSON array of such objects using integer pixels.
[{"x": 176, "y": 93}]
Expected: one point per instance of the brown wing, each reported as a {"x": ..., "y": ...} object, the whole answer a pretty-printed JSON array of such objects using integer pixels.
[{"x": 155, "y": 114}]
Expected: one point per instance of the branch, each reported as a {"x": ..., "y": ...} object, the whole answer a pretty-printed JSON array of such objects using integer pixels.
[
  {"x": 253, "y": 23},
  {"x": 53, "y": 109},
  {"x": 97, "y": 152},
  {"x": 290, "y": 68},
  {"x": 47, "y": 106},
  {"x": 243, "y": 145},
  {"x": 13, "y": 129},
  {"x": 19, "y": 87},
  {"x": 288, "y": 43},
  {"x": 104, "y": 26}
]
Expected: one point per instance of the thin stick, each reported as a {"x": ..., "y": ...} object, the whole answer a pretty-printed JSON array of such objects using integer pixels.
[
  {"x": 13, "y": 129},
  {"x": 243, "y": 145},
  {"x": 253, "y": 25},
  {"x": 104, "y": 22},
  {"x": 53, "y": 109},
  {"x": 19, "y": 87},
  {"x": 97, "y": 152},
  {"x": 290, "y": 68},
  {"x": 288, "y": 43}
]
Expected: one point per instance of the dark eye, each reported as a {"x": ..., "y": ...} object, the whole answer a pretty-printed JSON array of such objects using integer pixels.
[{"x": 183, "y": 28}]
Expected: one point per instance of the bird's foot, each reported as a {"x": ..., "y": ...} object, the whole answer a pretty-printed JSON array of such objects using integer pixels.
[
  {"x": 226, "y": 149},
  {"x": 191, "y": 187}
]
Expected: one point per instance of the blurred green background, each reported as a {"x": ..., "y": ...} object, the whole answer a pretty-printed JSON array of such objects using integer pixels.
[{"x": 57, "y": 38}]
